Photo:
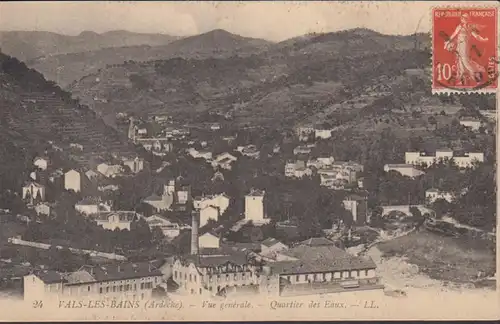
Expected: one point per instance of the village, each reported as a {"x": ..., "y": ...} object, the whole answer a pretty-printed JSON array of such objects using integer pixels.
[{"x": 190, "y": 214}]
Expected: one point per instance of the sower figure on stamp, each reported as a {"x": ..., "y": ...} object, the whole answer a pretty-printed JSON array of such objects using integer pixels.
[{"x": 460, "y": 43}]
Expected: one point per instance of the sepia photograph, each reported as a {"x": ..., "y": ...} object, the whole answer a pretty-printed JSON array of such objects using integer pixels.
[{"x": 302, "y": 160}]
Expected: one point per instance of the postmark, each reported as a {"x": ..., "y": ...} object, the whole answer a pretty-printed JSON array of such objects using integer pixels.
[{"x": 464, "y": 50}]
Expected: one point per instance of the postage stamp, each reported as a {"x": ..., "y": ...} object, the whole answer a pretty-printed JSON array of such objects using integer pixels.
[
  {"x": 181, "y": 160},
  {"x": 464, "y": 49}
]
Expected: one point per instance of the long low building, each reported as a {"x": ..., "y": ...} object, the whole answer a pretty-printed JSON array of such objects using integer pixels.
[
  {"x": 318, "y": 266},
  {"x": 125, "y": 280}
]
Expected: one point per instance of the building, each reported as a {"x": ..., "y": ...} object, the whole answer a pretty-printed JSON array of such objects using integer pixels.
[
  {"x": 301, "y": 150},
  {"x": 297, "y": 169},
  {"x": 321, "y": 162},
  {"x": 133, "y": 281},
  {"x": 92, "y": 175},
  {"x": 200, "y": 154},
  {"x": 116, "y": 219},
  {"x": 41, "y": 163},
  {"x": 250, "y": 151},
  {"x": 254, "y": 206},
  {"x": 220, "y": 201},
  {"x": 207, "y": 213},
  {"x": 270, "y": 247},
  {"x": 73, "y": 180},
  {"x": 171, "y": 196},
  {"x": 215, "y": 127},
  {"x": 317, "y": 266},
  {"x": 224, "y": 161},
  {"x": 212, "y": 269},
  {"x": 135, "y": 165},
  {"x": 209, "y": 241},
  {"x": 489, "y": 114},
  {"x": 76, "y": 146},
  {"x": 358, "y": 206},
  {"x": 109, "y": 170},
  {"x": 33, "y": 192},
  {"x": 462, "y": 161},
  {"x": 433, "y": 194},
  {"x": 169, "y": 229},
  {"x": 322, "y": 133},
  {"x": 471, "y": 123},
  {"x": 92, "y": 205},
  {"x": 42, "y": 209},
  {"x": 407, "y": 170}
]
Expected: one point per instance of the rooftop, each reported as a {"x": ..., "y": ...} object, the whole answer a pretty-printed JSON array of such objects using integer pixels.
[
  {"x": 112, "y": 272},
  {"x": 320, "y": 255}
]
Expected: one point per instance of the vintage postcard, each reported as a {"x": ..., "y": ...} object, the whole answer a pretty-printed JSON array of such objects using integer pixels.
[{"x": 245, "y": 161}]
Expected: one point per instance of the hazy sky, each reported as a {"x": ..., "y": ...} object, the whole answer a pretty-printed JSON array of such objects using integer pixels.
[{"x": 270, "y": 20}]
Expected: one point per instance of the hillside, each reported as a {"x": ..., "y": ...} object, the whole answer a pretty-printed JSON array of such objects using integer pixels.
[
  {"x": 35, "y": 112},
  {"x": 27, "y": 45},
  {"x": 67, "y": 68},
  {"x": 287, "y": 82}
]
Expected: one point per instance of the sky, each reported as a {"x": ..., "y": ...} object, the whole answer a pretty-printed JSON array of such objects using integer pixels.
[{"x": 273, "y": 21}]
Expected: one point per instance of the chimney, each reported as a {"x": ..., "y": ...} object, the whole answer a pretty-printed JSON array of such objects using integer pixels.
[{"x": 194, "y": 232}]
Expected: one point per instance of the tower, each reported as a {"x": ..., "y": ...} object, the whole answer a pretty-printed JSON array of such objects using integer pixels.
[
  {"x": 254, "y": 205},
  {"x": 169, "y": 189},
  {"x": 194, "y": 232}
]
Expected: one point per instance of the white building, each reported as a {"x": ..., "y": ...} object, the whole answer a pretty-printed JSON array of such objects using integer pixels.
[
  {"x": 471, "y": 123},
  {"x": 224, "y": 161},
  {"x": 209, "y": 241},
  {"x": 254, "y": 206},
  {"x": 297, "y": 170},
  {"x": 169, "y": 229},
  {"x": 41, "y": 163},
  {"x": 73, "y": 181},
  {"x": 207, "y": 213},
  {"x": 132, "y": 281},
  {"x": 136, "y": 165},
  {"x": 110, "y": 171},
  {"x": 301, "y": 150},
  {"x": 116, "y": 219},
  {"x": 200, "y": 154},
  {"x": 91, "y": 206},
  {"x": 464, "y": 161},
  {"x": 220, "y": 201},
  {"x": 34, "y": 191},
  {"x": 321, "y": 162},
  {"x": 322, "y": 133},
  {"x": 433, "y": 194},
  {"x": 407, "y": 170}
]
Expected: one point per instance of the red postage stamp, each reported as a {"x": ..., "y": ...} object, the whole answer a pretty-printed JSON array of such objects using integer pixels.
[{"x": 464, "y": 49}]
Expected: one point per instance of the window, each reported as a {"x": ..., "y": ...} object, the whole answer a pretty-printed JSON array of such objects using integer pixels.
[
  {"x": 114, "y": 288},
  {"x": 175, "y": 274},
  {"x": 107, "y": 289},
  {"x": 121, "y": 288},
  {"x": 100, "y": 290},
  {"x": 288, "y": 278},
  {"x": 194, "y": 278},
  {"x": 88, "y": 288},
  {"x": 142, "y": 285},
  {"x": 227, "y": 277},
  {"x": 135, "y": 286},
  {"x": 366, "y": 273},
  {"x": 234, "y": 276},
  {"x": 297, "y": 278},
  {"x": 200, "y": 291}
]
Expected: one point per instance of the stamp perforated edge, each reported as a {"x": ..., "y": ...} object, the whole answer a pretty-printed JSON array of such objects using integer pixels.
[{"x": 451, "y": 91}]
